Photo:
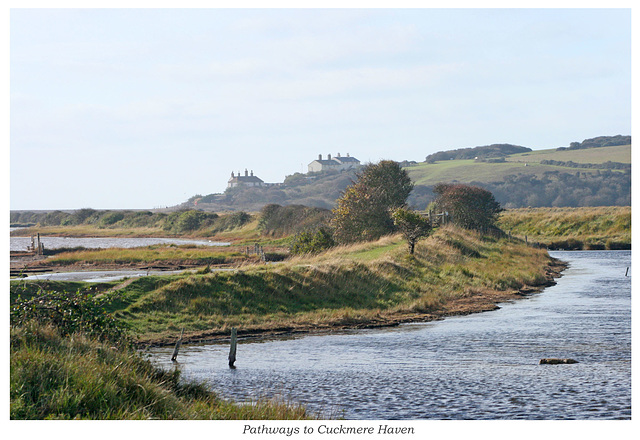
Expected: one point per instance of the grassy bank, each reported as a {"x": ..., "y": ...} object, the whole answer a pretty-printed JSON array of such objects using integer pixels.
[
  {"x": 454, "y": 271},
  {"x": 571, "y": 228},
  {"x": 77, "y": 377}
]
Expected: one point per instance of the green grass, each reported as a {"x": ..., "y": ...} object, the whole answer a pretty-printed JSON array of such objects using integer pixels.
[
  {"x": 525, "y": 163},
  {"x": 55, "y": 377},
  {"x": 620, "y": 153},
  {"x": 345, "y": 285}
]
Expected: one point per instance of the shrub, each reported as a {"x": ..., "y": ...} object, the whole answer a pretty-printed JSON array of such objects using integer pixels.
[
  {"x": 310, "y": 242},
  {"x": 470, "y": 207},
  {"x": 69, "y": 313}
]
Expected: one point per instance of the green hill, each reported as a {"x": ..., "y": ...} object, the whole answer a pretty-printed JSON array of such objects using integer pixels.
[
  {"x": 595, "y": 172},
  {"x": 524, "y": 163}
]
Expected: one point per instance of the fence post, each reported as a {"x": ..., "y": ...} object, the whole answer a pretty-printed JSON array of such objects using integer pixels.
[
  {"x": 174, "y": 356},
  {"x": 232, "y": 350}
]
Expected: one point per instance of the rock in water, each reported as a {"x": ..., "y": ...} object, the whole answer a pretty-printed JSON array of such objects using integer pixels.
[{"x": 554, "y": 361}]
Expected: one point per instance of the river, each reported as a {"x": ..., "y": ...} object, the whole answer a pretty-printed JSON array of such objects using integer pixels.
[
  {"x": 481, "y": 366},
  {"x": 21, "y": 243}
]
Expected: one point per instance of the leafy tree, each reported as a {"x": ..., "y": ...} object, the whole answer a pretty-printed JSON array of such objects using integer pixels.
[
  {"x": 468, "y": 206},
  {"x": 363, "y": 212},
  {"x": 412, "y": 225}
]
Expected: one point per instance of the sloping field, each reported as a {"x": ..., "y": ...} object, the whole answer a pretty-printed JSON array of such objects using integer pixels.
[
  {"x": 620, "y": 153},
  {"x": 525, "y": 163}
]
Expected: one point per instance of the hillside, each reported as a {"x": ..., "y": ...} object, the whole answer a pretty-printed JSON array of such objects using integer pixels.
[{"x": 585, "y": 174}]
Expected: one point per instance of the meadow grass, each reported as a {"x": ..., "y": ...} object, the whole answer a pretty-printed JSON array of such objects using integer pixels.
[
  {"x": 606, "y": 227},
  {"x": 523, "y": 163},
  {"x": 346, "y": 285}
]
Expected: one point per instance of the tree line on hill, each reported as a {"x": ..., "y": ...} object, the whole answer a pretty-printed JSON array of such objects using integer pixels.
[
  {"x": 552, "y": 189},
  {"x": 608, "y": 165},
  {"x": 600, "y": 141},
  {"x": 487, "y": 151}
]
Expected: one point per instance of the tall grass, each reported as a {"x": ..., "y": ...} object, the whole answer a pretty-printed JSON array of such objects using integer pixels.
[
  {"x": 572, "y": 228},
  {"x": 54, "y": 377}
]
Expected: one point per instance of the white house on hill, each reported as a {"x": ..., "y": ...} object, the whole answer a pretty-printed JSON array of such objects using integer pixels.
[
  {"x": 338, "y": 163},
  {"x": 246, "y": 180}
]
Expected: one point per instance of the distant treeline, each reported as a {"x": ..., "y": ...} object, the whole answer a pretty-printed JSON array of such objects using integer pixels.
[
  {"x": 553, "y": 189},
  {"x": 494, "y": 150},
  {"x": 179, "y": 222},
  {"x": 600, "y": 141},
  {"x": 558, "y": 189},
  {"x": 601, "y": 166},
  {"x": 273, "y": 220}
]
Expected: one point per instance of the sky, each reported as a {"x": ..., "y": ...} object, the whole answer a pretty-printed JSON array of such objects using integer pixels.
[{"x": 144, "y": 108}]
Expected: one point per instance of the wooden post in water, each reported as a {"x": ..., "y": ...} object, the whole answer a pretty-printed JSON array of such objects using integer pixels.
[
  {"x": 232, "y": 350},
  {"x": 174, "y": 356}
]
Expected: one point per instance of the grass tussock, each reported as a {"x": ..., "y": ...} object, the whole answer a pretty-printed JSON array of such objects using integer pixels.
[{"x": 76, "y": 377}]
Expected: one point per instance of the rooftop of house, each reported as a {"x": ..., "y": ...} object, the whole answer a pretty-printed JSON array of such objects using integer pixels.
[{"x": 245, "y": 178}]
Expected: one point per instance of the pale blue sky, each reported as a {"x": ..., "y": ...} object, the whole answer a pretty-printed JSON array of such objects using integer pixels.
[{"x": 143, "y": 108}]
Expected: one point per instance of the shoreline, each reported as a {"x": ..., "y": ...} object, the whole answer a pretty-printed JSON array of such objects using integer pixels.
[{"x": 481, "y": 302}]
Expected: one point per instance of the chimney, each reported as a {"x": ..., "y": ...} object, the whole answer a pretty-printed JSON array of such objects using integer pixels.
[
  {"x": 246, "y": 172},
  {"x": 319, "y": 156},
  {"x": 232, "y": 176},
  {"x": 338, "y": 154},
  {"x": 251, "y": 173},
  {"x": 347, "y": 154},
  {"x": 328, "y": 157}
]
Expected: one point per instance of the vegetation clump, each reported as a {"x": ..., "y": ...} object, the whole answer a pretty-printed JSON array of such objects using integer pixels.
[
  {"x": 468, "y": 206},
  {"x": 312, "y": 241},
  {"x": 363, "y": 213},
  {"x": 487, "y": 151},
  {"x": 279, "y": 221}
]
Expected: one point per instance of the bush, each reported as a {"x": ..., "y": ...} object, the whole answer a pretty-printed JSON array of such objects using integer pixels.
[
  {"x": 69, "y": 313},
  {"x": 310, "y": 242},
  {"x": 111, "y": 217},
  {"x": 468, "y": 206}
]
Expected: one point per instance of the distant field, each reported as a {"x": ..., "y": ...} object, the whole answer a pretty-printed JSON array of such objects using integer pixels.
[
  {"x": 525, "y": 163},
  {"x": 621, "y": 153}
]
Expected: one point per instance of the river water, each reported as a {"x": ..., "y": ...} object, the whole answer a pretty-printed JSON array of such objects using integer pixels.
[
  {"x": 21, "y": 243},
  {"x": 481, "y": 366}
]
